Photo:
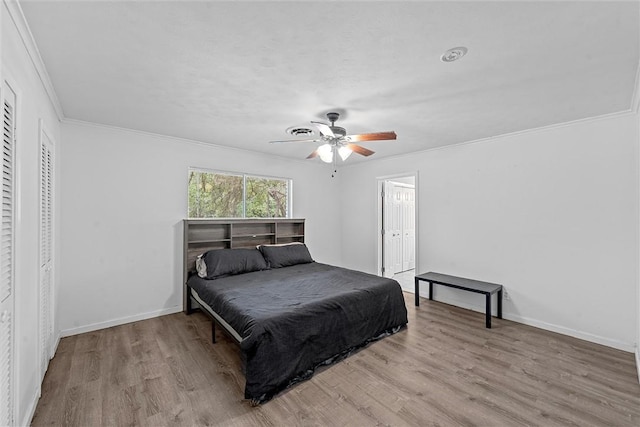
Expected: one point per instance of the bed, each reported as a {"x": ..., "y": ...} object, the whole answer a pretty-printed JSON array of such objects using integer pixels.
[{"x": 288, "y": 313}]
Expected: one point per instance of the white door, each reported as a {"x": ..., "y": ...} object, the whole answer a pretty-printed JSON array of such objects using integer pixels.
[
  {"x": 7, "y": 242},
  {"x": 387, "y": 204},
  {"x": 46, "y": 250},
  {"x": 396, "y": 229},
  {"x": 409, "y": 229}
]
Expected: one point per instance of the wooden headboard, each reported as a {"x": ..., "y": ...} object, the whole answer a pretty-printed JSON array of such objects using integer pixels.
[{"x": 201, "y": 235}]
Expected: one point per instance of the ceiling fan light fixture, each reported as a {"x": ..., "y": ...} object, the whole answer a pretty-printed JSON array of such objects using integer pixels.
[
  {"x": 334, "y": 140},
  {"x": 344, "y": 152},
  {"x": 326, "y": 153}
]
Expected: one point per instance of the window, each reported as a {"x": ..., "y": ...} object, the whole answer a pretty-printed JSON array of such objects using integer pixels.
[{"x": 227, "y": 195}]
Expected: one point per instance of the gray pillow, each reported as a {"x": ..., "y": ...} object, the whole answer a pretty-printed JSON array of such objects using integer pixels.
[
  {"x": 285, "y": 255},
  {"x": 228, "y": 262}
]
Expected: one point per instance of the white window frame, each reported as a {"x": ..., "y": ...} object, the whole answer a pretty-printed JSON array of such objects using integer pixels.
[{"x": 289, "y": 210}]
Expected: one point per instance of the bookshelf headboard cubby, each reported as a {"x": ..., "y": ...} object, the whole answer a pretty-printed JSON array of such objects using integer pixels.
[{"x": 202, "y": 235}]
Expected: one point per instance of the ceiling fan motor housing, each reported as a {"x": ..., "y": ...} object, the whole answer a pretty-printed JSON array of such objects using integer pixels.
[{"x": 338, "y": 131}]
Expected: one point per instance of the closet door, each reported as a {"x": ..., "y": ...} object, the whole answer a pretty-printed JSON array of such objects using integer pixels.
[
  {"x": 387, "y": 208},
  {"x": 7, "y": 238},
  {"x": 46, "y": 249},
  {"x": 409, "y": 229},
  {"x": 396, "y": 229}
]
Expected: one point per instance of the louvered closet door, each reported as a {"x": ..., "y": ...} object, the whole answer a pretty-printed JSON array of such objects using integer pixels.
[
  {"x": 7, "y": 236},
  {"x": 46, "y": 250}
]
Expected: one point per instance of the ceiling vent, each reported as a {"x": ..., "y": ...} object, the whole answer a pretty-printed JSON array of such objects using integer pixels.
[
  {"x": 453, "y": 54},
  {"x": 300, "y": 131}
]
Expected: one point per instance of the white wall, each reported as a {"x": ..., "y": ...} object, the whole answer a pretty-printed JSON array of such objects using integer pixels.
[
  {"x": 123, "y": 197},
  {"x": 635, "y": 107},
  {"x": 32, "y": 105},
  {"x": 551, "y": 214}
]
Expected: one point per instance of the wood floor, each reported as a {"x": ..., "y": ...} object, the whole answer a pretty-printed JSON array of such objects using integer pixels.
[{"x": 444, "y": 369}]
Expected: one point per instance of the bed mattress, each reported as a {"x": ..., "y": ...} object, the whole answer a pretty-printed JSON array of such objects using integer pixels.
[{"x": 293, "y": 319}]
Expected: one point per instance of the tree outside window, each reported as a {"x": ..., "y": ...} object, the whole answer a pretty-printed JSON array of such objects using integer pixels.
[{"x": 222, "y": 195}]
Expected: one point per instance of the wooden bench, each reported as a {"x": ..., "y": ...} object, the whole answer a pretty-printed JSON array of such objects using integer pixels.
[{"x": 470, "y": 285}]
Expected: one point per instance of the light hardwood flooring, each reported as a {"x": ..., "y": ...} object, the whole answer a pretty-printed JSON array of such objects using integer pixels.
[{"x": 444, "y": 369}]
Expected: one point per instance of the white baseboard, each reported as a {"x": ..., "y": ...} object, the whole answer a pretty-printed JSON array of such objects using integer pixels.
[
  {"x": 620, "y": 345},
  {"x": 56, "y": 342},
  {"x": 120, "y": 321},
  {"x": 31, "y": 409}
]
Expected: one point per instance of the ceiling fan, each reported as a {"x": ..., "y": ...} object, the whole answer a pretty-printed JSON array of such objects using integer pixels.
[{"x": 335, "y": 141}]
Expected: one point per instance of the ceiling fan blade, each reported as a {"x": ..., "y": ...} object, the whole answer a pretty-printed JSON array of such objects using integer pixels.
[
  {"x": 360, "y": 150},
  {"x": 312, "y": 155},
  {"x": 295, "y": 140},
  {"x": 376, "y": 136},
  {"x": 324, "y": 129}
]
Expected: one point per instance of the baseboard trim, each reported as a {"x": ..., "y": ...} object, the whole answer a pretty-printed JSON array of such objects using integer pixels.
[
  {"x": 620, "y": 345},
  {"x": 120, "y": 321},
  {"x": 55, "y": 345},
  {"x": 28, "y": 415}
]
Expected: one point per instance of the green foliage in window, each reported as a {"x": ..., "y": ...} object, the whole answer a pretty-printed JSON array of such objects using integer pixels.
[
  {"x": 266, "y": 198},
  {"x": 214, "y": 195},
  {"x": 217, "y": 195}
]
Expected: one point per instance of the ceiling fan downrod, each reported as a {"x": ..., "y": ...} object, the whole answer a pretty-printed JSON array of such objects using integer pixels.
[{"x": 333, "y": 117}]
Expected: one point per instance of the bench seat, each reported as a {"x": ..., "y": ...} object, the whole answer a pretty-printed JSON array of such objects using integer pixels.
[{"x": 470, "y": 285}]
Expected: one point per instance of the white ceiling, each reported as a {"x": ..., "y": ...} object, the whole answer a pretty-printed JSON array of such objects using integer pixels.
[{"x": 239, "y": 73}]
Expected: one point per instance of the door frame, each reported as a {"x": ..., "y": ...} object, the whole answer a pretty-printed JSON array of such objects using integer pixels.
[{"x": 379, "y": 210}]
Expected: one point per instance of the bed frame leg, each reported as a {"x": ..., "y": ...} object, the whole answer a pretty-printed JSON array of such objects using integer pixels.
[
  {"x": 213, "y": 331},
  {"x": 188, "y": 297}
]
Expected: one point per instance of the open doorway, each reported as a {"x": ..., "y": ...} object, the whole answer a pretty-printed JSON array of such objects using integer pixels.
[{"x": 397, "y": 228}]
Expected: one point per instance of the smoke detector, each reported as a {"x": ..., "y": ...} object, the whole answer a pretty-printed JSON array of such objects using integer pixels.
[{"x": 454, "y": 54}]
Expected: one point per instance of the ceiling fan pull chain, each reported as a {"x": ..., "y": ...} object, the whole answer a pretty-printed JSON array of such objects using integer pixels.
[{"x": 335, "y": 167}]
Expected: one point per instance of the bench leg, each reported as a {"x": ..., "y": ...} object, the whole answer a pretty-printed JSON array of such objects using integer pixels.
[
  {"x": 500, "y": 304},
  {"x": 417, "y": 295},
  {"x": 430, "y": 290},
  {"x": 213, "y": 331},
  {"x": 488, "y": 314}
]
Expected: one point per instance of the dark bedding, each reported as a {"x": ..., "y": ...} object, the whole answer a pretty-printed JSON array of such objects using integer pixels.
[{"x": 293, "y": 319}]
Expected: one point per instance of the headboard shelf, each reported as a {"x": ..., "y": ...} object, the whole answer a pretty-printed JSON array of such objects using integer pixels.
[
  {"x": 201, "y": 235},
  {"x": 210, "y": 240}
]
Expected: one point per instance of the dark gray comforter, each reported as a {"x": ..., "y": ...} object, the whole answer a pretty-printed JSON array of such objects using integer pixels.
[{"x": 296, "y": 318}]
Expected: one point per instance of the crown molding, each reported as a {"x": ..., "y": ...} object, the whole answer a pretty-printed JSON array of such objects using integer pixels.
[
  {"x": 504, "y": 135},
  {"x": 347, "y": 165},
  {"x": 184, "y": 140},
  {"x": 20, "y": 21}
]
